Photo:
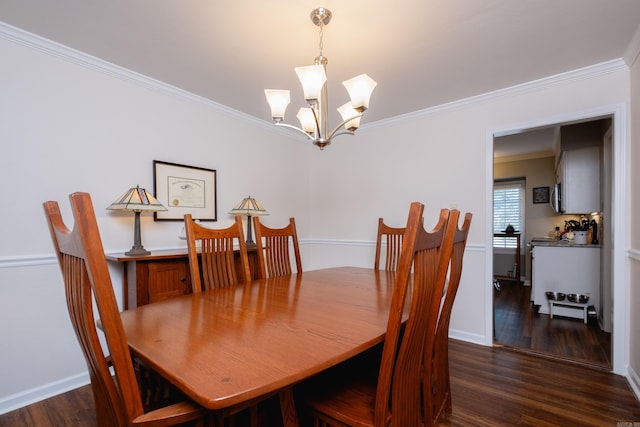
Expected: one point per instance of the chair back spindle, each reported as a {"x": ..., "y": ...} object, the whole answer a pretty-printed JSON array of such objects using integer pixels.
[
  {"x": 392, "y": 238},
  {"x": 274, "y": 257},
  {"x": 214, "y": 265}
]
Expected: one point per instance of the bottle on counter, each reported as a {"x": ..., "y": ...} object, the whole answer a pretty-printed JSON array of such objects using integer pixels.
[{"x": 594, "y": 232}]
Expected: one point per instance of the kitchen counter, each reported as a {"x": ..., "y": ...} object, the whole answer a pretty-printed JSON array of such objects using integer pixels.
[
  {"x": 567, "y": 268},
  {"x": 561, "y": 243}
]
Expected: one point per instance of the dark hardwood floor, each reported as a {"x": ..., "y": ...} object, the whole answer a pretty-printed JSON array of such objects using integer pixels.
[
  {"x": 495, "y": 387},
  {"x": 518, "y": 326},
  {"x": 73, "y": 408},
  {"x": 490, "y": 387}
]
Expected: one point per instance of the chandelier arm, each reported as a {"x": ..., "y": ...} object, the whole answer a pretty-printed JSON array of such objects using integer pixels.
[
  {"x": 294, "y": 128},
  {"x": 333, "y": 132},
  {"x": 344, "y": 132},
  {"x": 315, "y": 117}
]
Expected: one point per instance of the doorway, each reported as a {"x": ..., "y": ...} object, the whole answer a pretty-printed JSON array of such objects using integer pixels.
[{"x": 518, "y": 322}]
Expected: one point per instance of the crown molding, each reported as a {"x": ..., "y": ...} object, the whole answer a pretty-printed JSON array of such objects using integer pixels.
[
  {"x": 632, "y": 53},
  {"x": 49, "y": 47},
  {"x": 526, "y": 156},
  {"x": 524, "y": 88}
]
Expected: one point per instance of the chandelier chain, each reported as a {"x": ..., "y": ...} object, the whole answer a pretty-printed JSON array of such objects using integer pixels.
[{"x": 321, "y": 44}]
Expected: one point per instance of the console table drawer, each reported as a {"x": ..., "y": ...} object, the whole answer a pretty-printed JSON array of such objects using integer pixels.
[{"x": 161, "y": 275}]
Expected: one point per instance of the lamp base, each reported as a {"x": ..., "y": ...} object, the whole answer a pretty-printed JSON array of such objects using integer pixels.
[
  {"x": 249, "y": 242},
  {"x": 137, "y": 251}
]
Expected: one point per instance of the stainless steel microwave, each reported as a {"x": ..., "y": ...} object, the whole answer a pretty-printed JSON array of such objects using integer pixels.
[{"x": 556, "y": 198}]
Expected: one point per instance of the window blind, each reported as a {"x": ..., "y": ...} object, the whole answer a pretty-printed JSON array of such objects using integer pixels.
[{"x": 508, "y": 208}]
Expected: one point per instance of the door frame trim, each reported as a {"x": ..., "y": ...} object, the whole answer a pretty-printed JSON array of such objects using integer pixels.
[{"x": 620, "y": 219}]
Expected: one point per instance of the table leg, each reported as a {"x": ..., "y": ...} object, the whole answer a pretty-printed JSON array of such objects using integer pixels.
[{"x": 288, "y": 408}]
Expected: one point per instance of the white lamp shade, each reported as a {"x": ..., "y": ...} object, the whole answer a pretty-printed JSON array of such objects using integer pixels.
[
  {"x": 312, "y": 78},
  {"x": 278, "y": 101},
  {"x": 360, "y": 89},
  {"x": 137, "y": 199},
  {"x": 249, "y": 207},
  {"x": 347, "y": 112},
  {"x": 307, "y": 120}
]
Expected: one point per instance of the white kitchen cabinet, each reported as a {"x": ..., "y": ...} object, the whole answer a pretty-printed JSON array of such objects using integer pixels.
[
  {"x": 570, "y": 269},
  {"x": 578, "y": 173}
]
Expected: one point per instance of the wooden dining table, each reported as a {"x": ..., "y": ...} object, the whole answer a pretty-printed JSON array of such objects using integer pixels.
[{"x": 229, "y": 347}]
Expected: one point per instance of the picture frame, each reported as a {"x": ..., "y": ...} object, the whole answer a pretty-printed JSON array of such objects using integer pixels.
[
  {"x": 184, "y": 190},
  {"x": 541, "y": 195}
]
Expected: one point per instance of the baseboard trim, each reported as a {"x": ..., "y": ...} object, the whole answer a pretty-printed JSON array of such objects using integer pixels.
[
  {"x": 43, "y": 392},
  {"x": 465, "y": 336}
]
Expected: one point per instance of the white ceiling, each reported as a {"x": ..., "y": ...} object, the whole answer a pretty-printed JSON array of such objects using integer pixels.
[
  {"x": 530, "y": 144},
  {"x": 422, "y": 53}
]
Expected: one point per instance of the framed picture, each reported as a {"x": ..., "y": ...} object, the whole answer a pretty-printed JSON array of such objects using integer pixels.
[
  {"x": 184, "y": 190},
  {"x": 541, "y": 195}
]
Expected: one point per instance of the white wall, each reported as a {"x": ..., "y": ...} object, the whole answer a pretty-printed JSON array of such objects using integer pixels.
[
  {"x": 66, "y": 127},
  {"x": 442, "y": 157}
]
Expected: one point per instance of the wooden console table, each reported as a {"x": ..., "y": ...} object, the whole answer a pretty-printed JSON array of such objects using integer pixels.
[
  {"x": 515, "y": 236},
  {"x": 161, "y": 275}
]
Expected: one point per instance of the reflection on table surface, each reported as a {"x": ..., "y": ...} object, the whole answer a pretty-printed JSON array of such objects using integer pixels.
[{"x": 232, "y": 345}]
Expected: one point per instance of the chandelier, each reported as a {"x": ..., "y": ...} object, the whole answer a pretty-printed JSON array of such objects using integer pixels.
[{"x": 313, "y": 119}]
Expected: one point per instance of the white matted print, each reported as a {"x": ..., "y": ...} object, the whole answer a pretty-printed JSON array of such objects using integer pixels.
[{"x": 184, "y": 190}]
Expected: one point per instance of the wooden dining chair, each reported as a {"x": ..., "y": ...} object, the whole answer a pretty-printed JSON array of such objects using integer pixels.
[
  {"x": 392, "y": 237},
  {"x": 213, "y": 264},
  {"x": 349, "y": 396},
  {"x": 274, "y": 257},
  {"x": 86, "y": 277},
  {"x": 439, "y": 386}
]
